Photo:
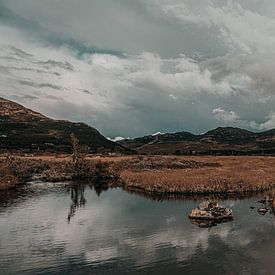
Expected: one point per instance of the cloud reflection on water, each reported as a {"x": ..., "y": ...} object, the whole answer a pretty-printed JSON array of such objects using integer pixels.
[{"x": 124, "y": 230}]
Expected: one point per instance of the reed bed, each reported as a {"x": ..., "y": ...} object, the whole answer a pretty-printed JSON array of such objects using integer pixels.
[
  {"x": 141, "y": 163},
  {"x": 150, "y": 174},
  {"x": 229, "y": 175}
]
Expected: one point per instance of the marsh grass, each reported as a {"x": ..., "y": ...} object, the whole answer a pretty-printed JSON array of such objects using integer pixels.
[
  {"x": 154, "y": 175},
  {"x": 227, "y": 175},
  {"x": 16, "y": 170},
  {"x": 141, "y": 163}
]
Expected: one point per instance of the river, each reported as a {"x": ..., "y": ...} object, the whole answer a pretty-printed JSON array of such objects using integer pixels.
[{"x": 60, "y": 229}]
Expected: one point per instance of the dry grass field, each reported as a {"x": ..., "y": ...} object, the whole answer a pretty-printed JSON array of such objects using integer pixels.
[
  {"x": 210, "y": 175},
  {"x": 169, "y": 174}
]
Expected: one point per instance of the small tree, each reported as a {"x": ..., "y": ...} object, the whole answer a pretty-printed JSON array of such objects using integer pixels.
[
  {"x": 79, "y": 153},
  {"x": 75, "y": 148},
  {"x": 81, "y": 167}
]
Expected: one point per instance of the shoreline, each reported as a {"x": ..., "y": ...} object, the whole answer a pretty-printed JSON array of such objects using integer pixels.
[{"x": 157, "y": 194}]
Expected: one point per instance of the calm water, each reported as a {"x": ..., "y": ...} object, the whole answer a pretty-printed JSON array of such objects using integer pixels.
[{"x": 56, "y": 229}]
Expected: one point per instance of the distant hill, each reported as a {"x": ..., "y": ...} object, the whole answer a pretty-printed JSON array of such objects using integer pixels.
[
  {"x": 22, "y": 129},
  {"x": 220, "y": 141}
]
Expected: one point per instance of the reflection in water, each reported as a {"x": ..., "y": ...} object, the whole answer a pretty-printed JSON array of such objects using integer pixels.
[
  {"x": 200, "y": 197},
  {"x": 99, "y": 187},
  {"x": 77, "y": 192},
  {"x": 124, "y": 233},
  {"x": 208, "y": 223},
  {"x": 203, "y": 223},
  {"x": 78, "y": 199}
]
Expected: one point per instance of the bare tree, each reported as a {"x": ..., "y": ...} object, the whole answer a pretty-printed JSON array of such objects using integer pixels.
[{"x": 79, "y": 153}]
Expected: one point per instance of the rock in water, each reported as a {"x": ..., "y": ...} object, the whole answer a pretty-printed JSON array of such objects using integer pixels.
[
  {"x": 263, "y": 210},
  {"x": 211, "y": 212}
]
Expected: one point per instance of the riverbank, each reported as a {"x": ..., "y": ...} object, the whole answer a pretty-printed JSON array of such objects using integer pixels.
[
  {"x": 158, "y": 174},
  {"x": 16, "y": 170}
]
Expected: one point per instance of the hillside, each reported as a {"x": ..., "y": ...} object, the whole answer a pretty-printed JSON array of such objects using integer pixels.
[
  {"x": 220, "y": 141},
  {"x": 24, "y": 130}
]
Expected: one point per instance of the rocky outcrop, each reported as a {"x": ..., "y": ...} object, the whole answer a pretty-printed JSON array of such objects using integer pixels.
[
  {"x": 209, "y": 214},
  {"x": 263, "y": 210}
]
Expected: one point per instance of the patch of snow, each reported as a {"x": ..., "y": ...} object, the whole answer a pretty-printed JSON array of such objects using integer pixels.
[
  {"x": 116, "y": 139},
  {"x": 157, "y": 133}
]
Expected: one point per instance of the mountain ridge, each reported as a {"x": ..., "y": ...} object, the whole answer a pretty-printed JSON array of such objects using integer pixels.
[
  {"x": 22, "y": 129},
  {"x": 220, "y": 141}
]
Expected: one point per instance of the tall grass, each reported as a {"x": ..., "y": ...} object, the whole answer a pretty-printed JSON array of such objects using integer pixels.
[
  {"x": 239, "y": 174},
  {"x": 156, "y": 175}
]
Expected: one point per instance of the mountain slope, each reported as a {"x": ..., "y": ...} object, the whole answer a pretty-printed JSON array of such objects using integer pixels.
[
  {"x": 220, "y": 141},
  {"x": 25, "y": 130}
]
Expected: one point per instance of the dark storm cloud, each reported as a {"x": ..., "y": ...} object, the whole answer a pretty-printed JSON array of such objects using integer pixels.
[
  {"x": 136, "y": 67},
  {"x": 132, "y": 26},
  {"x": 32, "y": 27}
]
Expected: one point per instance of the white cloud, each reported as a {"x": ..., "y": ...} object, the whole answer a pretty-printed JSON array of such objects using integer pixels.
[
  {"x": 224, "y": 116},
  {"x": 268, "y": 124},
  {"x": 246, "y": 29},
  {"x": 173, "y": 97}
]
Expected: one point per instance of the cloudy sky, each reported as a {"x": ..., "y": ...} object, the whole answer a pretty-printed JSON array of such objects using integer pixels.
[{"x": 135, "y": 67}]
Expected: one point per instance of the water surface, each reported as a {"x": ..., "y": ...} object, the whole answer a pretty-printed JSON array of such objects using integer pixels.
[{"x": 58, "y": 229}]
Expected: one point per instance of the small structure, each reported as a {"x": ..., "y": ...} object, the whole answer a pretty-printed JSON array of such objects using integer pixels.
[{"x": 209, "y": 214}]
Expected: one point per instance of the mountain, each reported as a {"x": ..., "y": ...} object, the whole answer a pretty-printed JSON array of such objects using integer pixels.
[
  {"x": 220, "y": 141},
  {"x": 24, "y": 130}
]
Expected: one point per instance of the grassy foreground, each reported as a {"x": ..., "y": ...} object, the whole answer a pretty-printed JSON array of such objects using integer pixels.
[{"x": 155, "y": 174}]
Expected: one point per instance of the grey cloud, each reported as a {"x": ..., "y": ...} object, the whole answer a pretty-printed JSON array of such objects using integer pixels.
[
  {"x": 177, "y": 61},
  {"x": 23, "y": 56},
  {"x": 131, "y": 27},
  {"x": 20, "y": 53},
  {"x": 8, "y": 69},
  {"x": 48, "y": 37},
  {"x": 52, "y": 64},
  {"x": 87, "y": 92},
  {"x": 9, "y": 58},
  {"x": 47, "y": 64},
  {"x": 24, "y": 98},
  {"x": 4, "y": 70},
  {"x": 39, "y": 85}
]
